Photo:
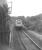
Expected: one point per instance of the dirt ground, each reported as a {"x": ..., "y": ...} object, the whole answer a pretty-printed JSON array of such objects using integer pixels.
[{"x": 5, "y": 47}]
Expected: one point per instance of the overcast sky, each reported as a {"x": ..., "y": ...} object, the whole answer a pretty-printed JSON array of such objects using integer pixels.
[{"x": 26, "y": 7}]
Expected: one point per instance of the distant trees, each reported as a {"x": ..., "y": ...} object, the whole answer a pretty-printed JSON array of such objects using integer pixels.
[{"x": 35, "y": 23}]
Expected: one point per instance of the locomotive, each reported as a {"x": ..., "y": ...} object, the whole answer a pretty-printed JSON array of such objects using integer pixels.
[{"x": 18, "y": 24}]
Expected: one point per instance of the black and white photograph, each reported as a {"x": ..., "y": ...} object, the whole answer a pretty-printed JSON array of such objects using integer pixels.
[{"x": 20, "y": 24}]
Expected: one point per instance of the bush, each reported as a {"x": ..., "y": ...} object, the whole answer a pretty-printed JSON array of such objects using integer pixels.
[{"x": 35, "y": 23}]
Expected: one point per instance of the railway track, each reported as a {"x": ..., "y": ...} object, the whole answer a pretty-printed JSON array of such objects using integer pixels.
[{"x": 28, "y": 35}]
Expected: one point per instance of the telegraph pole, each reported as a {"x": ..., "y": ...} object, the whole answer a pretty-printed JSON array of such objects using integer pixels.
[{"x": 10, "y": 7}]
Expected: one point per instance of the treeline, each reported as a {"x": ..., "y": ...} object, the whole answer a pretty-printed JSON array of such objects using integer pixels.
[{"x": 35, "y": 23}]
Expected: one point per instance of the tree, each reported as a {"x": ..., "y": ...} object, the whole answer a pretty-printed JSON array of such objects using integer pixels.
[{"x": 4, "y": 29}]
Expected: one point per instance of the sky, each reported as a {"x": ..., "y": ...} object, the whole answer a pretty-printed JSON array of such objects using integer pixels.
[{"x": 26, "y": 7}]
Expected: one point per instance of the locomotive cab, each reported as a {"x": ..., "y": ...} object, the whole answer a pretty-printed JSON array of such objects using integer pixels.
[{"x": 18, "y": 24}]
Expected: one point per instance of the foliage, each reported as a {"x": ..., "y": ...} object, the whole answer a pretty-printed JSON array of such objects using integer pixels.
[
  {"x": 35, "y": 23},
  {"x": 4, "y": 17}
]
